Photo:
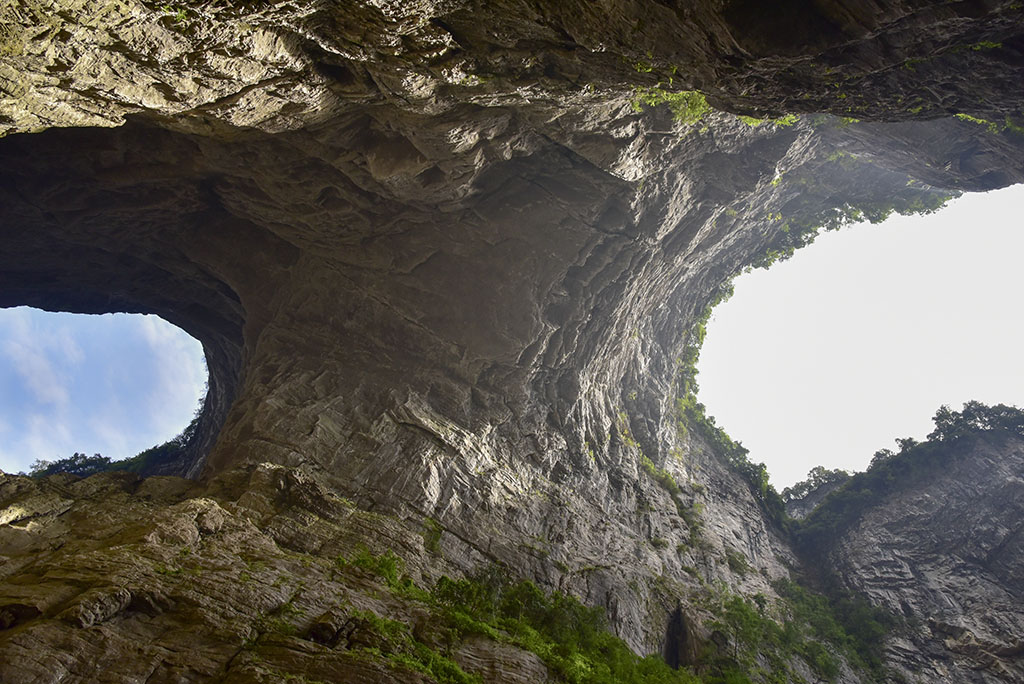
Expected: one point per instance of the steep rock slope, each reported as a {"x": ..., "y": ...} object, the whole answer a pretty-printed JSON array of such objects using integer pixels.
[
  {"x": 947, "y": 553},
  {"x": 442, "y": 267}
]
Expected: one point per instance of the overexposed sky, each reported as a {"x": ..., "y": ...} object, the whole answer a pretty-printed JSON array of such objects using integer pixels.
[
  {"x": 857, "y": 339},
  {"x": 114, "y": 384}
]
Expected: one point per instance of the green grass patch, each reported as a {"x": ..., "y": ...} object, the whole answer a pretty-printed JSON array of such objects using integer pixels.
[{"x": 572, "y": 639}]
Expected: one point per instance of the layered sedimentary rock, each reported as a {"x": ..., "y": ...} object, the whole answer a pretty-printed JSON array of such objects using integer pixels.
[
  {"x": 947, "y": 553},
  {"x": 443, "y": 264}
]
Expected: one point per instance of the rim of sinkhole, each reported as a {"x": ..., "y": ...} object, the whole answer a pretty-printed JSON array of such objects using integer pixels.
[{"x": 857, "y": 340}]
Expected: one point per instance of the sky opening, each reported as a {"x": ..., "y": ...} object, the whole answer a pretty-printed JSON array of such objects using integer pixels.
[
  {"x": 857, "y": 339},
  {"x": 114, "y": 384}
]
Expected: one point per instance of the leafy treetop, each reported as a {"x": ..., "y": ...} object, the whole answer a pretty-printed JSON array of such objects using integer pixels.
[
  {"x": 819, "y": 476},
  {"x": 892, "y": 472}
]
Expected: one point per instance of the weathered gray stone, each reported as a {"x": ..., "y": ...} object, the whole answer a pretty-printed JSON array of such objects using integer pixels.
[
  {"x": 948, "y": 554},
  {"x": 443, "y": 272}
]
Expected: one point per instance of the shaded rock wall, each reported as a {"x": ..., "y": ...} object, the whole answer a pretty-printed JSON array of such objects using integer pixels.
[
  {"x": 948, "y": 554},
  {"x": 443, "y": 268}
]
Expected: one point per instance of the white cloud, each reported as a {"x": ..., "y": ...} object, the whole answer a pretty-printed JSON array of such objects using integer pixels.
[
  {"x": 44, "y": 437},
  {"x": 113, "y": 438},
  {"x": 9, "y": 463},
  {"x": 65, "y": 343},
  {"x": 28, "y": 353},
  {"x": 180, "y": 375}
]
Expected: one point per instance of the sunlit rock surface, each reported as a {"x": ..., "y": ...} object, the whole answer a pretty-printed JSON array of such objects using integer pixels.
[{"x": 443, "y": 271}]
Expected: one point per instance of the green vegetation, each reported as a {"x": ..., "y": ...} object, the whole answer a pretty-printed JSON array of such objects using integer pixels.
[
  {"x": 76, "y": 464},
  {"x": 1010, "y": 125},
  {"x": 690, "y": 106},
  {"x": 690, "y": 513},
  {"x": 819, "y": 476},
  {"x": 737, "y": 562},
  {"x": 386, "y": 566},
  {"x": 806, "y": 625},
  {"x": 735, "y": 455},
  {"x": 574, "y": 642},
  {"x": 974, "y": 418},
  {"x": 84, "y": 466},
  {"x": 792, "y": 235},
  {"x": 687, "y": 363},
  {"x": 993, "y": 127},
  {"x": 178, "y": 14},
  {"x": 892, "y": 472},
  {"x": 571, "y": 639},
  {"x": 754, "y": 637},
  {"x": 754, "y": 122},
  {"x": 687, "y": 106},
  {"x": 850, "y": 623},
  {"x": 661, "y": 476},
  {"x": 692, "y": 414},
  {"x": 401, "y": 648},
  {"x": 432, "y": 535}
]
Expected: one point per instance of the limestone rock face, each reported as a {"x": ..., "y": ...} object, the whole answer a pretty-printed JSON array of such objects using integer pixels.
[
  {"x": 443, "y": 263},
  {"x": 949, "y": 552}
]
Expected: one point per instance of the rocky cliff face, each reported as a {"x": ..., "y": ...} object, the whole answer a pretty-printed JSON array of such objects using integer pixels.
[
  {"x": 443, "y": 270},
  {"x": 947, "y": 553}
]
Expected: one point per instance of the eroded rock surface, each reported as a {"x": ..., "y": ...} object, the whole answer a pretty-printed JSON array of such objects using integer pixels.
[
  {"x": 948, "y": 553},
  {"x": 443, "y": 269}
]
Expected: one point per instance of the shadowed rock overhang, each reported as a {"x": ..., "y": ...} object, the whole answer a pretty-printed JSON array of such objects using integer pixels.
[{"x": 452, "y": 216}]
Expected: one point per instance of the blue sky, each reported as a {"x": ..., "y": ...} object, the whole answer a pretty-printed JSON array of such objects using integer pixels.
[
  {"x": 857, "y": 339},
  {"x": 114, "y": 384}
]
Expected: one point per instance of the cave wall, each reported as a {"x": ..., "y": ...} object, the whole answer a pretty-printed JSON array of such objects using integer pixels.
[{"x": 443, "y": 267}]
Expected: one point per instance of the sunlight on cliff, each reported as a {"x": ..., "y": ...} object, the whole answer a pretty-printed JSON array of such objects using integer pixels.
[
  {"x": 114, "y": 384},
  {"x": 860, "y": 337}
]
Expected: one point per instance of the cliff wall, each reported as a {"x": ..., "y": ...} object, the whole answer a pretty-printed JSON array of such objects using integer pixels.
[
  {"x": 444, "y": 262},
  {"x": 946, "y": 553}
]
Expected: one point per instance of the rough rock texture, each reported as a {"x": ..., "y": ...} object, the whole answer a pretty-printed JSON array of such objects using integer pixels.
[
  {"x": 156, "y": 584},
  {"x": 798, "y": 509},
  {"x": 127, "y": 577},
  {"x": 442, "y": 267},
  {"x": 949, "y": 553}
]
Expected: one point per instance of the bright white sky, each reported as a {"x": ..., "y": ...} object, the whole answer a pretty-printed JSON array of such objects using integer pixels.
[
  {"x": 114, "y": 384},
  {"x": 857, "y": 339}
]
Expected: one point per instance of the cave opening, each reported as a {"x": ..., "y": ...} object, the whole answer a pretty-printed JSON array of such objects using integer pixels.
[
  {"x": 676, "y": 640},
  {"x": 857, "y": 340},
  {"x": 114, "y": 385}
]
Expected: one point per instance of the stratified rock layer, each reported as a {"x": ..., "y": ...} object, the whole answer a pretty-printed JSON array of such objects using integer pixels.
[
  {"x": 442, "y": 267},
  {"x": 948, "y": 553}
]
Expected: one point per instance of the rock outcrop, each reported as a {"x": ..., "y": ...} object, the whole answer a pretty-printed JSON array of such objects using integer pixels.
[
  {"x": 947, "y": 553},
  {"x": 443, "y": 262}
]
